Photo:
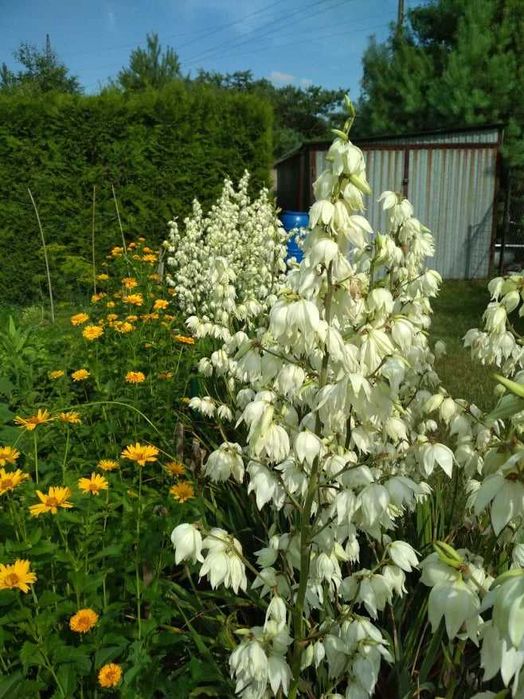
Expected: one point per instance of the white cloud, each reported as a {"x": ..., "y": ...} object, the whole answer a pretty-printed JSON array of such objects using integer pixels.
[{"x": 277, "y": 76}]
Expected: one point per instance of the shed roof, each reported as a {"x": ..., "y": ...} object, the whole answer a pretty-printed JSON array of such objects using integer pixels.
[{"x": 474, "y": 135}]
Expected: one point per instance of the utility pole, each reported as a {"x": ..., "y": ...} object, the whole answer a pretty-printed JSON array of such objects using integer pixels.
[{"x": 400, "y": 15}]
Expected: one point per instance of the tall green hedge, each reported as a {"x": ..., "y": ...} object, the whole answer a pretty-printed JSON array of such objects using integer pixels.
[{"x": 159, "y": 149}]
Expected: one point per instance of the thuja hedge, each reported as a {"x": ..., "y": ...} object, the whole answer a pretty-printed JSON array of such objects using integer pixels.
[{"x": 158, "y": 149}]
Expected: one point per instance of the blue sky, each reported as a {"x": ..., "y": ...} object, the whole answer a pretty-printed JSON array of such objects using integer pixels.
[{"x": 288, "y": 41}]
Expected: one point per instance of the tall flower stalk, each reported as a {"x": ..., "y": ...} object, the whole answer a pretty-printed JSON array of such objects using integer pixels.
[{"x": 332, "y": 388}]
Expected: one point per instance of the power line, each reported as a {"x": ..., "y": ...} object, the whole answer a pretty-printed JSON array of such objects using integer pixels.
[
  {"x": 262, "y": 31},
  {"x": 315, "y": 40},
  {"x": 230, "y": 24},
  {"x": 267, "y": 28}
]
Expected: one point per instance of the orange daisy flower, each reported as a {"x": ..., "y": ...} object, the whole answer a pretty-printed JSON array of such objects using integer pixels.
[
  {"x": 83, "y": 621},
  {"x": 135, "y": 377},
  {"x": 109, "y": 675}
]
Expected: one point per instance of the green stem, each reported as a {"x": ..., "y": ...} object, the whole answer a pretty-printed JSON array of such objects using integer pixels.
[
  {"x": 137, "y": 558},
  {"x": 39, "y": 642},
  {"x": 66, "y": 452},
  {"x": 306, "y": 527},
  {"x": 35, "y": 448}
]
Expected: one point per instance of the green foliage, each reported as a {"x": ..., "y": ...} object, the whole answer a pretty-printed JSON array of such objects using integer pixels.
[
  {"x": 457, "y": 63},
  {"x": 150, "y": 67},
  {"x": 153, "y": 146},
  {"x": 109, "y": 552},
  {"x": 300, "y": 113},
  {"x": 42, "y": 72}
]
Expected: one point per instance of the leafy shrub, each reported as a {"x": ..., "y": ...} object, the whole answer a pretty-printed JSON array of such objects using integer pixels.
[{"x": 152, "y": 147}]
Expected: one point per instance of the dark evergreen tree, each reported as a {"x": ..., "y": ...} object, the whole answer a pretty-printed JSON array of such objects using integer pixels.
[{"x": 150, "y": 67}]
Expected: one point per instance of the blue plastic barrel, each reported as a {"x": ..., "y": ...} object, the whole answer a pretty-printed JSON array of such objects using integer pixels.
[{"x": 292, "y": 220}]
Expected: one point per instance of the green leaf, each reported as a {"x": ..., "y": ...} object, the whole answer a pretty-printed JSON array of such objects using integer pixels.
[
  {"x": 71, "y": 655},
  {"x": 30, "y": 655},
  {"x": 508, "y": 406},
  {"x": 8, "y": 685}
]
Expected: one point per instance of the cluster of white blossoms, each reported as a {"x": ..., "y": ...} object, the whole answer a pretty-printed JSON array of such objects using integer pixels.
[
  {"x": 228, "y": 265},
  {"x": 482, "y": 598},
  {"x": 498, "y": 343},
  {"x": 332, "y": 390}
]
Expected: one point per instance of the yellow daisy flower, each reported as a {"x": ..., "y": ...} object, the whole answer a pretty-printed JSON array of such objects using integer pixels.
[
  {"x": 182, "y": 492},
  {"x": 135, "y": 377},
  {"x": 134, "y": 299},
  {"x": 50, "y": 502},
  {"x": 31, "y": 423},
  {"x": 16, "y": 575},
  {"x": 184, "y": 339},
  {"x": 9, "y": 481},
  {"x": 102, "y": 277},
  {"x": 124, "y": 327},
  {"x": 160, "y": 304},
  {"x": 80, "y": 375},
  {"x": 95, "y": 298},
  {"x": 56, "y": 374},
  {"x": 116, "y": 251},
  {"x": 141, "y": 453},
  {"x": 129, "y": 282},
  {"x": 93, "y": 485},
  {"x": 72, "y": 418},
  {"x": 107, "y": 464},
  {"x": 92, "y": 332},
  {"x": 109, "y": 675},
  {"x": 8, "y": 455},
  {"x": 175, "y": 468},
  {"x": 83, "y": 621},
  {"x": 79, "y": 319}
]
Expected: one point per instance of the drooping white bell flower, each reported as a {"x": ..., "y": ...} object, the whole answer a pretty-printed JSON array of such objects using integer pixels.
[{"x": 187, "y": 540}]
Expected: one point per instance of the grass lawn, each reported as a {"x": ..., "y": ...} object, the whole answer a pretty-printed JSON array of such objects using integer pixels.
[{"x": 459, "y": 307}]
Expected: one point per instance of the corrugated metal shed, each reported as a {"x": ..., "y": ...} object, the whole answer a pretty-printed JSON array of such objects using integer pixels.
[{"x": 449, "y": 176}]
